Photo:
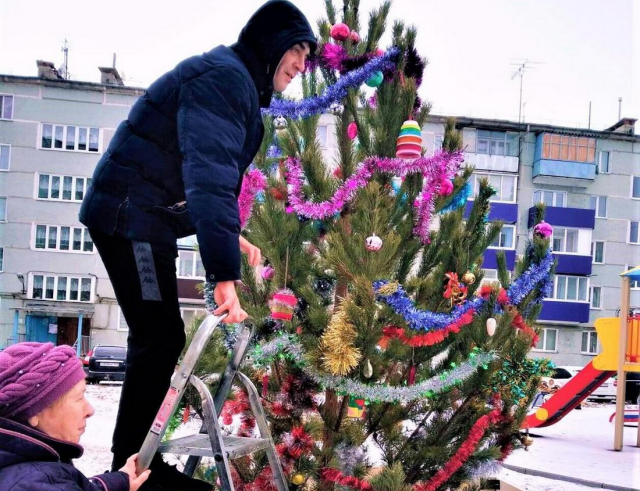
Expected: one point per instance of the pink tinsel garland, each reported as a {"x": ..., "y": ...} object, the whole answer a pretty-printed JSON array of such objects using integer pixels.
[{"x": 253, "y": 182}]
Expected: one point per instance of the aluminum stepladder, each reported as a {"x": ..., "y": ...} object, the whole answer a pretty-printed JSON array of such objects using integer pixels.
[{"x": 210, "y": 442}]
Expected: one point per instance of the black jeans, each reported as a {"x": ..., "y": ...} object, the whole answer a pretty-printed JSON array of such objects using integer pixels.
[{"x": 143, "y": 276}]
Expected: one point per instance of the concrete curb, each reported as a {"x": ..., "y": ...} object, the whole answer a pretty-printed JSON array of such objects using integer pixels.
[{"x": 559, "y": 477}]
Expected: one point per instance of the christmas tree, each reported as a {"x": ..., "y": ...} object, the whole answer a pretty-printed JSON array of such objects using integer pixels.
[{"x": 383, "y": 360}]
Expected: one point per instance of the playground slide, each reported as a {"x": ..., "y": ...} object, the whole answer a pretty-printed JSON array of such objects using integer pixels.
[{"x": 567, "y": 397}]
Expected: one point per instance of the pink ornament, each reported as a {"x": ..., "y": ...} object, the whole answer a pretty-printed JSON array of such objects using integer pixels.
[
  {"x": 543, "y": 229},
  {"x": 354, "y": 37},
  {"x": 352, "y": 130},
  {"x": 378, "y": 52},
  {"x": 446, "y": 187},
  {"x": 268, "y": 272},
  {"x": 340, "y": 31}
]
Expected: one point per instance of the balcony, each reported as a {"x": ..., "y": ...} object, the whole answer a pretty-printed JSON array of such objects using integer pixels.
[
  {"x": 566, "y": 217},
  {"x": 507, "y": 212},
  {"x": 490, "y": 261},
  {"x": 500, "y": 163},
  {"x": 569, "y": 312},
  {"x": 573, "y": 264},
  {"x": 570, "y": 158}
]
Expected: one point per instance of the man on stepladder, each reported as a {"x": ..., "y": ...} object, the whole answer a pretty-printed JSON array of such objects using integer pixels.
[{"x": 172, "y": 169}]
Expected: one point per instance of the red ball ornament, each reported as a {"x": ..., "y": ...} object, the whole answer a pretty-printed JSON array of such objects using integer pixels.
[
  {"x": 340, "y": 31},
  {"x": 277, "y": 194},
  {"x": 446, "y": 187},
  {"x": 354, "y": 37}
]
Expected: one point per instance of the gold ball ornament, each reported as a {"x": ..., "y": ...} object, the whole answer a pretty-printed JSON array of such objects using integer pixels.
[
  {"x": 297, "y": 479},
  {"x": 468, "y": 278}
]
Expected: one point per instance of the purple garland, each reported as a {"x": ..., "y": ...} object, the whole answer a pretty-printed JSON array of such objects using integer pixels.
[
  {"x": 334, "y": 93},
  {"x": 440, "y": 166},
  {"x": 427, "y": 320}
]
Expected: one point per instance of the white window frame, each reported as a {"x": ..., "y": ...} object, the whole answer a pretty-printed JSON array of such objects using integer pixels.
[
  {"x": 589, "y": 335},
  {"x": 13, "y": 105},
  {"x": 500, "y": 247},
  {"x": 8, "y": 146},
  {"x": 543, "y": 338},
  {"x": 565, "y": 278},
  {"x": 84, "y": 232},
  {"x": 196, "y": 255},
  {"x": 599, "y": 205},
  {"x": 591, "y": 297},
  {"x": 566, "y": 230},
  {"x": 195, "y": 310},
  {"x": 76, "y": 143},
  {"x": 490, "y": 277},
  {"x": 476, "y": 186},
  {"x": 600, "y": 171},
  {"x": 556, "y": 194},
  {"x": 505, "y": 139},
  {"x": 3, "y": 219},
  {"x": 593, "y": 251},
  {"x": 631, "y": 191},
  {"x": 438, "y": 140},
  {"x": 628, "y": 233},
  {"x": 56, "y": 278},
  {"x": 119, "y": 326},
  {"x": 74, "y": 187}
]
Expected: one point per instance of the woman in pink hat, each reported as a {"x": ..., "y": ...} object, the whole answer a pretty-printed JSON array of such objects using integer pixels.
[{"x": 43, "y": 414}]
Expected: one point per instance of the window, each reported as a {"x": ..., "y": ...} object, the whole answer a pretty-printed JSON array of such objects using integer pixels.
[
  {"x": 322, "y": 136},
  {"x": 597, "y": 252},
  {"x": 550, "y": 198},
  {"x": 635, "y": 284},
  {"x": 3, "y": 209},
  {"x": 506, "y": 238},
  {"x": 570, "y": 288},
  {"x": 548, "y": 340},
  {"x": 635, "y": 187},
  {"x": 190, "y": 315},
  {"x": 189, "y": 265},
  {"x": 62, "y": 288},
  {"x": 60, "y": 238},
  {"x": 565, "y": 240},
  {"x": 504, "y": 185},
  {"x": 595, "y": 297},
  {"x": 568, "y": 148},
  {"x": 599, "y": 203},
  {"x": 5, "y": 156},
  {"x": 6, "y": 106},
  {"x": 438, "y": 140},
  {"x": 71, "y": 138},
  {"x": 1, "y": 259},
  {"x": 73, "y": 188},
  {"x": 604, "y": 165},
  {"x": 490, "y": 277},
  {"x": 122, "y": 322},
  {"x": 497, "y": 143},
  {"x": 589, "y": 343},
  {"x": 634, "y": 237}
]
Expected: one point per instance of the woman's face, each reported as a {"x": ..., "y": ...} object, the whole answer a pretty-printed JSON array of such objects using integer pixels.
[{"x": 66, "y": 418}]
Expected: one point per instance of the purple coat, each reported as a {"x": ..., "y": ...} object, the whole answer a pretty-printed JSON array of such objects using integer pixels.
[{"x": 33, "y": 461}]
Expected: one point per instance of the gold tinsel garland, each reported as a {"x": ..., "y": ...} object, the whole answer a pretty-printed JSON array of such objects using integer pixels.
[{"x": 340, "y": 355}]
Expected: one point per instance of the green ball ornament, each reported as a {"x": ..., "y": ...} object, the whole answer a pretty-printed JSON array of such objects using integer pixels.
[{"x": 375, "y": 80}]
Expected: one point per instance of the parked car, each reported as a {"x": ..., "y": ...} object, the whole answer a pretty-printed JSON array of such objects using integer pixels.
[
  {"x": 632, "y": 392},
  {"x": 105, "y": 363},
  {"x": 562, "y": 375}
]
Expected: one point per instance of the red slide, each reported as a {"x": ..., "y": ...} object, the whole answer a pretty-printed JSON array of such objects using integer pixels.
[{"x": 567, "y": 398}]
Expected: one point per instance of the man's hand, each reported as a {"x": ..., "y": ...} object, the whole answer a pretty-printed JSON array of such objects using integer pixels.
[
  {"x": 135, "y": 480},
  {"x": 255, "y": 256},
  {"x": 227, "y": 299}
]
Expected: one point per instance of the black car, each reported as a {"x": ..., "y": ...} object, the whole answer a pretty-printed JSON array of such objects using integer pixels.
[
  {"x": 105, "y": 363},
  {"x": 632, "y": 392}
]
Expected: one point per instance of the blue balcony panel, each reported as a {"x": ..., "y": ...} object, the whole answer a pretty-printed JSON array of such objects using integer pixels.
[
  {"x": 490, "y": 258},
  {"x": 562, "y": 168},
  {"x": 564, "y": 311},
  {"x": 573, "y": 264},
  {"x": 566, "y": 217},
  {"x": 507, "y": 212}
]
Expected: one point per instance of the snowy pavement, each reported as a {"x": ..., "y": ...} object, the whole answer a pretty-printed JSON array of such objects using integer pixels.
[{"x": 578, "y": 446}]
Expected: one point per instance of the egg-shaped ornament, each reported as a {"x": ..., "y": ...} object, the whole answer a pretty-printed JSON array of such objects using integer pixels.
[
  {"x": 446, "y": 187},
  {"x": 340, "y": 31},
  {"x": 373, "y": 243},
  {"x": 491, "y": 326},
  {"x": 375, "y": 80},
  {"x": 336, "y": 108},
  {"x": 368, "y": 369},
  {"x": 409, "y": 142},
  {"x": 352, "y": 130}
]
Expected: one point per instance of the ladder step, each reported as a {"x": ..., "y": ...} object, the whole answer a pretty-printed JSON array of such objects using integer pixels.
[{"x": 200, "y": 445}]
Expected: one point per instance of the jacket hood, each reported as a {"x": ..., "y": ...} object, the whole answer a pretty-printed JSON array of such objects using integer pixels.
[
  {"x": 271, "y": 31},
  {"x": 20, "y": 443}
]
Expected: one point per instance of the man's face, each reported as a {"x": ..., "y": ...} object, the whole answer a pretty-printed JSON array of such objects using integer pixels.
[{"x": 290, "y": 65}]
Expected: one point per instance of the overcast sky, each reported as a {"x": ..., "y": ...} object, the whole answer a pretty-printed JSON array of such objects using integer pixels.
[{"x": 584, "y": 50}]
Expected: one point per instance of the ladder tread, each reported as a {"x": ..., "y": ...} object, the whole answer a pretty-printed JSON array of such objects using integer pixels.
[{"x": 199, "y": 444}]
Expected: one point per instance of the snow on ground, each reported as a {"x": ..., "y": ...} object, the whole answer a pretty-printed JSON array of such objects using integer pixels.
[{"x": 579, "y": 446}]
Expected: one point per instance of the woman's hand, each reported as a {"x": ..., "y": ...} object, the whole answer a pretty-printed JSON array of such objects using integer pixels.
[
  {"x": 254, "y": 254},
  {"x": 227, "y": 299},
  {"x": 135, "y": 480}
]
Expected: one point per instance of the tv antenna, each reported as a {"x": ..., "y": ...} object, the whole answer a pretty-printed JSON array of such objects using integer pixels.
[
  {"x": 520, "y": 67},
  {"x": 64, "y": 69}
]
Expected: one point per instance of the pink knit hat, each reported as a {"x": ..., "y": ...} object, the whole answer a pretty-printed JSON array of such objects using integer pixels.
[{"x": 34, "y": 375}]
